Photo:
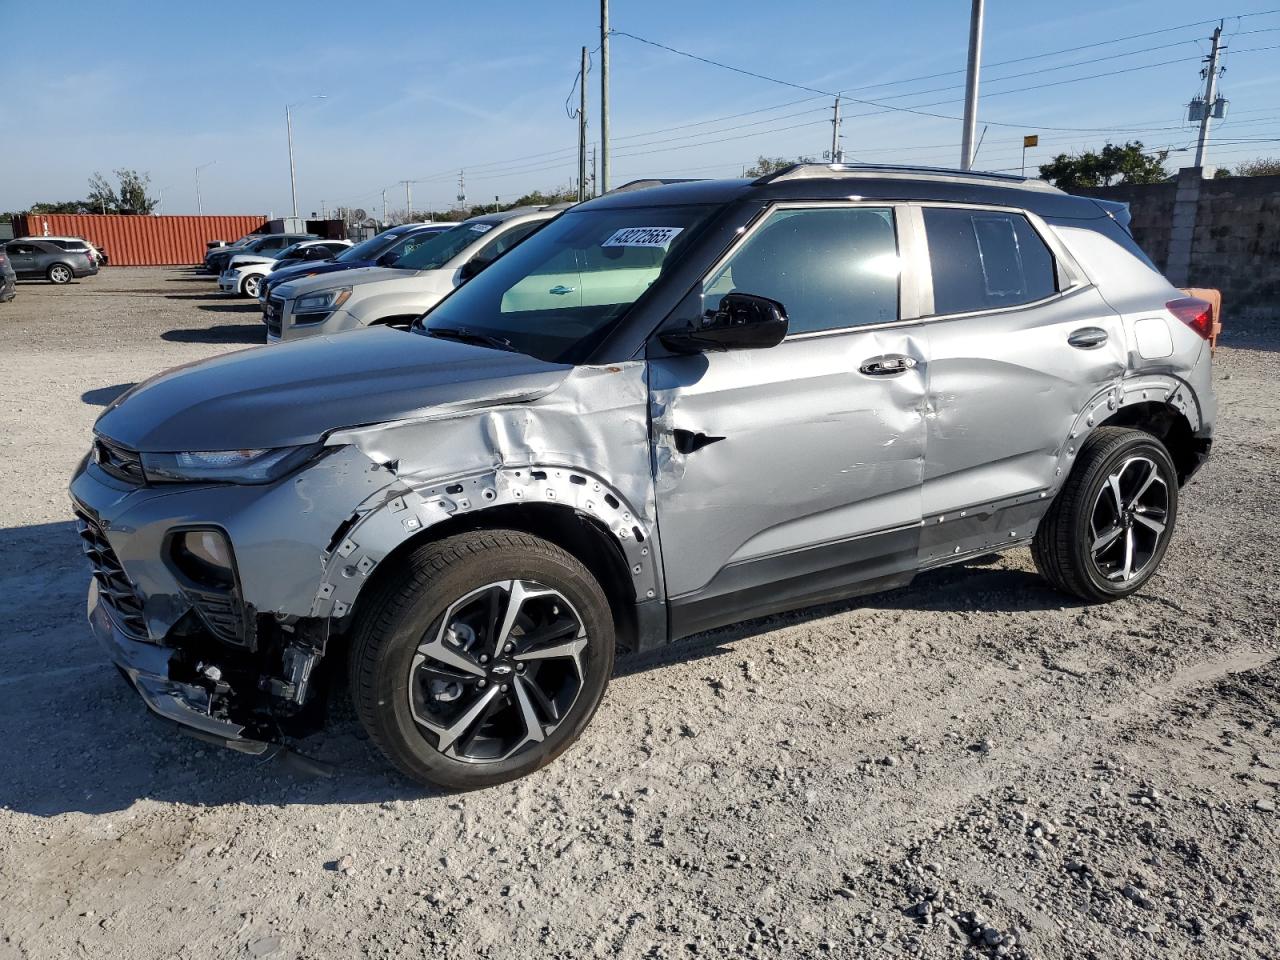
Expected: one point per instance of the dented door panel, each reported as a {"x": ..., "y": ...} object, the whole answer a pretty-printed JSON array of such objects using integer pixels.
[{"x": 804, "y": 451}]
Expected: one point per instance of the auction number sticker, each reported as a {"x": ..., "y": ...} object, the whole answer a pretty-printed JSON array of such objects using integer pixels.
[
  {"x": 643, "y": 237},
  {"x": 481, "y": 227}
]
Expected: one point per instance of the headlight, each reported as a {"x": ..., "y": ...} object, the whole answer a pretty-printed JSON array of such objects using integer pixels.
[
  {"x": 226, "y": 466},
  {"x": 323, "y": 301}
]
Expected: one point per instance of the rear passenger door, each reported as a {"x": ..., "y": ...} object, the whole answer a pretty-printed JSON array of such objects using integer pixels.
[
  {"x": 23, "y": 258},
  {"x": 1019, "y": 343}
]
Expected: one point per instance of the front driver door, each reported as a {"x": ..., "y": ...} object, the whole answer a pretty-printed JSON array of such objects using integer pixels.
[{"x": 791, "y": 475}]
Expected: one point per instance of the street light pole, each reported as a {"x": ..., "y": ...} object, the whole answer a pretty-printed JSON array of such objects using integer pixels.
[
  {"x": 967, "y": 149},
  {"x": 288, "y": 122},
  {"x": 199, "y": 202}
]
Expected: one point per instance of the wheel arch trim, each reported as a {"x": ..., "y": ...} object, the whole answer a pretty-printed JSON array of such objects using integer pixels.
[{"x": 406, "y": 510}]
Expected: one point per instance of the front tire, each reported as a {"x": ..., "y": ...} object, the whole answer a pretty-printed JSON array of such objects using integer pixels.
[
  {"x": 60, "y": 273},
  {"x": 249, "y": 286},
  {"x": 481, "y": 659},
  {"x": 1110, "y": 525}
]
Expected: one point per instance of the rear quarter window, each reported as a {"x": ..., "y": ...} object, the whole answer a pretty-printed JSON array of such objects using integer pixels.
[{"x": 985, "y": 259}]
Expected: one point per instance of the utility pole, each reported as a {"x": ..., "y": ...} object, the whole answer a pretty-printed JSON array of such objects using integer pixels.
[
  {"x": 604, "y": 96},
  {"x": 462, "y": 189},
  {"x": 293, "y": 180},
  {"x": 594, "y": 181},
  {"x": 384, "y": 206},
  {"x": 408, "y": 201},
  {"x": 836, "y": 152},
  {"x": 199, "y": 202},
  {"x": 1210, "y": 94},
  {"x": 971, "y": 86},
  {"x": 582, "y": 130}
]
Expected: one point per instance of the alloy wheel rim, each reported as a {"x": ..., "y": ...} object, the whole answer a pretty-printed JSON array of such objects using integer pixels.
[
  {"x": 60, "y": 274},
  {"x": 251, "y": 286},
  {"x": 499, "y": 672},
  {"x": 1129, "y": 520}
]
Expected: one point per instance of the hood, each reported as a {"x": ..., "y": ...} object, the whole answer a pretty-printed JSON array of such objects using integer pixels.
[
  {"x": 361, "y": 275},
  {"x": 296, "y": 393},
  {"x": 245, "y": 259}
]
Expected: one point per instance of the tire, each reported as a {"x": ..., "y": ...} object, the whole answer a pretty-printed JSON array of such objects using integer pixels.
[
  {"x": 415, "y": 678},
  {"x": 249, "y": 285},
  {"x": 60, "y": 273},
  {"x": 1109, "y": 526}
]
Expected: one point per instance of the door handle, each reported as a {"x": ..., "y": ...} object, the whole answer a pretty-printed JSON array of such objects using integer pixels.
[
  {"x": 689, "y": 442},
  {"x": 1087, "y": 338},
  {"x": 560, "y": 290},
  {"x": 889, "y": 365}
]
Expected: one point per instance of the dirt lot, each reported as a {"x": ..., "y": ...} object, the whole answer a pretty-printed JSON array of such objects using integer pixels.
[{"x": 976, "y": 766}]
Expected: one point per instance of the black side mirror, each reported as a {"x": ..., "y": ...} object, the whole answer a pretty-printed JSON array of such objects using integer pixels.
[
  {"x": 471, "y": 268},
  {"x": 388, "y": 259},
  {"x": 743, "y": 321}
]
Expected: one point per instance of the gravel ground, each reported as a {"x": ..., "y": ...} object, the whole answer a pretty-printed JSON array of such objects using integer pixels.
[{"x": 976, "y": 766}]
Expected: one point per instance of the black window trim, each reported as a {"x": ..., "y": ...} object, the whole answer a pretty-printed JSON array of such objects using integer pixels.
[{"x": 1068, "y": 276}]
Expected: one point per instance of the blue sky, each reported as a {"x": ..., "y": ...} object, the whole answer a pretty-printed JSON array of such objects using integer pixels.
[{"x": 421, "y": 90}]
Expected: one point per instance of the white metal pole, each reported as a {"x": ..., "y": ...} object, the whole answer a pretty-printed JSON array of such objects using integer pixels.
[
  {"x": 199, "y": 202},
  {"x": 1210, "y": 94},
  {"x": 604, "y": 96},
  {"x": 293, "y": 181},
  {"x": 971, "y": 86}
]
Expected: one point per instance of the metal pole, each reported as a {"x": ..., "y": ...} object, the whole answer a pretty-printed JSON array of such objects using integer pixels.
[
  {"x": 408, "y": 202},
  {"x": 1210, "y": 93},
  {"x": 293, "y": 182},
  {"x": 604, "y": 96},
  {"x": 835, "y": 134},
  {"x": 582, "y": 131},
  {"x": 199, "y": 203},
  {"x": 384, "y": 206},
  {"x": 594, "y": 181},
  {"x": 971, "y": 86}
]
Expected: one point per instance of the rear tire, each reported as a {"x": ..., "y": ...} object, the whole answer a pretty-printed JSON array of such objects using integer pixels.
[
  {"x": 1109, "y": 526},
  {"x": 60, "y": 273},
  {"x": 438, "y": 644}
]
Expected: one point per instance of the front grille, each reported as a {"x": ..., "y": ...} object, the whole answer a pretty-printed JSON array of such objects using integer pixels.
[
  {"x": 120, "y": 462},
  {"x": 272, "y": 314},
  {"x": 113, "y": 583}
]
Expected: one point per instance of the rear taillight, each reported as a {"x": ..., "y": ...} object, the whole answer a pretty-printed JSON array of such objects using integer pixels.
[{"x": 1195, "y": 313}]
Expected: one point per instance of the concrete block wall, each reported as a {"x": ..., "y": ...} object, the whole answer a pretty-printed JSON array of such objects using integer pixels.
[{"x": 1212, "y": 233}]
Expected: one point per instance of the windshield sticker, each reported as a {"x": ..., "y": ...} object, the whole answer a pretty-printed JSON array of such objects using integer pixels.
[
  {"x": 481, "y": 227},
  {"x": 643, "y": 237}
]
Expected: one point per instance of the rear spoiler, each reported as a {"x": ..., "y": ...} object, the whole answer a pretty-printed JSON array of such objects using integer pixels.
[{"x": 1117, "y": 211}]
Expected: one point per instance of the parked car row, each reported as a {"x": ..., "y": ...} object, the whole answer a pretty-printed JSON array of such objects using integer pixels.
[
  {"x": 58, "y": 260},
  {"x": 658, "y": 412}
]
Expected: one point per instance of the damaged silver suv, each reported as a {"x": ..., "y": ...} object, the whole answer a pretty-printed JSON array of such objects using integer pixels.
[{"x": 673, "y": 408}]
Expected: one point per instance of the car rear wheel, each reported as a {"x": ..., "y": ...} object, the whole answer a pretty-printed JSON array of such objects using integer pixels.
[
  {"x": 482, "y": 659},
  {"x": 59, "y": 273},
  {"x": 1110, "y": 525},
  {"x": 249, "y": 286}
]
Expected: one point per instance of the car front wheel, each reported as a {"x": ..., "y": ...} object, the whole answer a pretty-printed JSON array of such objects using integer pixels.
[
  {"x": 482, "y": 658},
  {"x": 250, "y": 285},
  {"x": 1110, "y": 525},
  {"x": 59, "y": 273}
]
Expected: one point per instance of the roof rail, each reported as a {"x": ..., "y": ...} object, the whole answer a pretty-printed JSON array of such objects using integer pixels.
[
  {"x": 823, "y": 171},
  {"x": 649, "y": 182}
]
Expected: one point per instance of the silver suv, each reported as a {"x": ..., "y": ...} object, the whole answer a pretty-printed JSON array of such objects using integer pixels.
[{"x": 669, "y": 409}]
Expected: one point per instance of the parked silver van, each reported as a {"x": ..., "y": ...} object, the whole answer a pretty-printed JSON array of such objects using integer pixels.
[{"x": 668, "y": 409}]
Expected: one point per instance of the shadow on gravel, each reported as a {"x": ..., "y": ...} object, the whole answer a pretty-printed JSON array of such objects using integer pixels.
[
  {"x": 224, "y": 333},
  {"x": 104, "y": 395},
  {"x": 248, "y": 308},
  {"x": 214, "y": 294}
]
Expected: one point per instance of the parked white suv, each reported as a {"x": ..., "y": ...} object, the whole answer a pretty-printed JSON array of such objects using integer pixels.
[{"x": 398, "y": 295}]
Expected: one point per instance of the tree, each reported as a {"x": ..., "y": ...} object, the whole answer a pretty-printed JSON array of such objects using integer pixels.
[
  {"x": 767, "y": 165},
  {"x": 1262, "y": 167},
  {"x": 132, "y": 198},
  {"x": 1113, "y": 164}
]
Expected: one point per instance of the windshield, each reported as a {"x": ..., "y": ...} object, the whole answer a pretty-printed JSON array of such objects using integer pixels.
[
  {"x": 368, "y": 249},
  {"x": 559, "y": 292},
  {"x": 440, "y": 248}
]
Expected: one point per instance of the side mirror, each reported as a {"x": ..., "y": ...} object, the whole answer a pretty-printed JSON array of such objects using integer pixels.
[
  {"x": 742, "y": 322},
  {"x": 388, "y": 259},
  {"x": 471, "y": 268}
]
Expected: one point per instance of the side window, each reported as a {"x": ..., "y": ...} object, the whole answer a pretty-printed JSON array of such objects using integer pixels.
[
  {"x": 501, "y": 244},
  {"x": 21, "y": 249},
  {"x": 984, "y": 259},
  {"x": 831, "y": 268}
]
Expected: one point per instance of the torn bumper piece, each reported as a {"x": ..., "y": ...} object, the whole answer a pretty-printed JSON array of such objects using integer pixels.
[{"x": 146, "y": 666}]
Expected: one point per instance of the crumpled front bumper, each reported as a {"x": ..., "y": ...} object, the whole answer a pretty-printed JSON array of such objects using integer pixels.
[{"x": 146, "y": 666}]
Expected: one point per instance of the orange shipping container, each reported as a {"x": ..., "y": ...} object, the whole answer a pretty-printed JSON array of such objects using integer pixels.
[{"x": 143, "y": 241}]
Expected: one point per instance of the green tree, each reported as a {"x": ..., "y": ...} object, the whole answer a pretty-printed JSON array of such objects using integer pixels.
[
  {"x": 1262, "y": 167},
  {"x": 1127, "y": 163},
  {"x": 131, "y": 198},
  {"x": 767, "y": 165},
  {"x": 102, "y": 196}
]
